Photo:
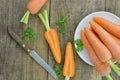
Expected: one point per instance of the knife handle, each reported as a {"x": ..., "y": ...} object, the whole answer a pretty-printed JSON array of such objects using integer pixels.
[
  {"x": 19, "y": 40},
  {"x": 26, "y": 48}
]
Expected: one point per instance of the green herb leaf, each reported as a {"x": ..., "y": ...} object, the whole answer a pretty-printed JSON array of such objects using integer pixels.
[
  {"x": 79, "y": 44},
  {"x": 29, "y": 34},
  {"x": 58, "y": 72},
  {"x": 62, "y": 23}
]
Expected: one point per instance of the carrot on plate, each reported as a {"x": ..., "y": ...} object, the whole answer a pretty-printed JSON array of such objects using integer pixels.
[
  {"x": 109, "y": 26},
  {"x": 109, "y": 43},
  {"x": 98, "y": 46},
  {"x": 116, "y": 39},
  {"x": 69, "y": 63},
  {"x": 33, "y": 7},
  {"x": 102, "y": 68},
  {"x": 51, "y": 36},
  {"x": 107, "y": 40}
]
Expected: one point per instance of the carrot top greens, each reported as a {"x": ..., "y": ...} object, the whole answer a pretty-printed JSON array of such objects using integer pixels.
[
  {"x": 44, "y": 18},
  {"x": 79, "y": 45},
  {"x": 25, "y": 18}
]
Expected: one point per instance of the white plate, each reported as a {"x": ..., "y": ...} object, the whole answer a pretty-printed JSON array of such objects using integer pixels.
[{"x": 84, "y": 23}]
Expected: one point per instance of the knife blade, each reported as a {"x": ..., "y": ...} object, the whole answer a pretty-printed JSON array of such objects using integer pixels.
[
  {"x": 32, "y": 53},
  {"x": 40, "y": 61}
]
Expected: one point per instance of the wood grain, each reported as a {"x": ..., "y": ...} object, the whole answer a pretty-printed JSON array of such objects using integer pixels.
[{"x": 15, "y": 64}]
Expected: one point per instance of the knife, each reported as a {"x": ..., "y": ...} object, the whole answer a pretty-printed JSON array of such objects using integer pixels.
[{"x": 32, "y": 53}]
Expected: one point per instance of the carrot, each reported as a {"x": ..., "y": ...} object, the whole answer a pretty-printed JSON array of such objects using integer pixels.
[
  {"x": 109, "y": 43},
  {"x": 109, "y": 26},
  {"x": 51, "y": 37},
  {"x": 33, "y": 7},
  {"x": 116, "y": 39},
  {"x": 53, "y": 41},
  {"x": 102, "y": 68},
  {"x": 103, "y": 55},
  {"x": 69, "y": 64}
]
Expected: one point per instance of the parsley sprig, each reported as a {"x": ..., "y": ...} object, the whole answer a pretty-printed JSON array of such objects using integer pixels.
[
  {"x": 62, "y": 23},
  {"x": 29, "y": 34},
  {"x": 79, "y": 44},
  {"x": 58, "y": 72}
]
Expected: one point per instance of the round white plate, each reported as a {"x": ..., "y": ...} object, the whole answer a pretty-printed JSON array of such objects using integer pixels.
[{"x": 85, "y": 23}]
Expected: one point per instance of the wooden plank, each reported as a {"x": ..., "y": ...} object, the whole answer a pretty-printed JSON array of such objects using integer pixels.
[
  {"x": 11, "y": 54},
  {"x": 15, "y": 64},
  {"x": 40, "y": 46},
  {"x": 75, "y": 10}
]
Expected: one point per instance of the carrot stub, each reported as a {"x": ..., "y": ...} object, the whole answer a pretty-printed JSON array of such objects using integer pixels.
[
  {"x": 33, "y": 7},
  {"x": 51, "y": 37},
  {"x": 69, "y": 63},
  {"x": 102, "y": 68}
]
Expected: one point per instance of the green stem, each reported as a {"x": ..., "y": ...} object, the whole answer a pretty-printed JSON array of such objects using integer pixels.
[
  {"x": 114, "y": 67},
  {"x": 45, "y": 14},
  {"x": 25, "y": 17},
  {"x": 108, "y": 77},
  {"x": 67, "y": 78},
  {"x": 44, "y": 18}
]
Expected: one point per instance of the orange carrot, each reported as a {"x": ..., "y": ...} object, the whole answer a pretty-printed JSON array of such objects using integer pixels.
[
  {"x": 116, "y": 39},
  {"x": 110, "y": 43},
  {"x": 69, "y": 64},
  {"x": 101, "y": 51},
  {"x": 109, "y": 26},
  {"x": 89, "y": 49},
  {"x": 107, "y": 40},
  {"x": 33, "y": 7},
  {"x": 52, "y": 37},
  {"x": 102, "y": 68},
  {"x": 53, "y": 41}
]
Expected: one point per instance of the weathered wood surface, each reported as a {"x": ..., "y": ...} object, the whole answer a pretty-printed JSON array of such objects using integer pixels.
[{"x": 15, "y": 64}]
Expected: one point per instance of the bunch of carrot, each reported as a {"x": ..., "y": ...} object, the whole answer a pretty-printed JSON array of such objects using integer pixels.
[
  {"x": 33, "y": 7},
  {"x": 103, "y": 45}
]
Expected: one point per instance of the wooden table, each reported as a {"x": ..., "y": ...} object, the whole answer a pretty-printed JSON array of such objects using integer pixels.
[{"x": 15, "y": 64}]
